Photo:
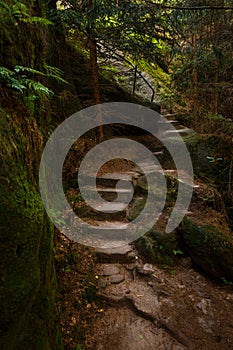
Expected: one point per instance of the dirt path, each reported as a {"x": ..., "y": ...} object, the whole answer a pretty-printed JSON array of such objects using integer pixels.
[{"x": 149, "y": 308}]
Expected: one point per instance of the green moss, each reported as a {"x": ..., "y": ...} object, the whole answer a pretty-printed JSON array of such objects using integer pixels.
[
  {"x": 158, "y": 247},
  {"x": 27, "y": 288},
  {"x": 211, "y": 155},
  {"x": 209, "y": 247}
]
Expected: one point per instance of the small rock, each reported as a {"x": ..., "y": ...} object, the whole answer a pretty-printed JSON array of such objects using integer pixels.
[
  {"x": 204, "y": 305},
  {"x": 115, "y": 279},
  {"x": 156, "y": 279},
  {"x": 130, "y": 267},
  {"x": 102, "y": 283},
  {"x": 206, "y": 324},
  {"x": 109, "y": 270},
  {"x": 146, "y": 269}
]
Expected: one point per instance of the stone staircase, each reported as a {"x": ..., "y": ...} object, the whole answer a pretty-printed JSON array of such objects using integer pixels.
[
  {"x": 119, "y": 190},
  {"x": 143, "y": 306}
]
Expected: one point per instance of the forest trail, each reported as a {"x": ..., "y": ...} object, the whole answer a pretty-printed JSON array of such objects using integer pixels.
[
  {"x": 145, "y": 306},
  {"x": 150, "y": 308}
]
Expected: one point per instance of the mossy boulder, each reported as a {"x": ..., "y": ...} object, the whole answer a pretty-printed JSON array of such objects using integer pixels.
[
  {"x": 27, "y": 290},
  {"x": 210, "y": 247},
  {"x": 204, "y": 235},
  {"x": 159, "y": 247},
  {"x": 211, "y": 156}
]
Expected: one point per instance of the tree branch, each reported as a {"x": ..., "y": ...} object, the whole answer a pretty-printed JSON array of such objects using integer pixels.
[{"x": 188, "y": 8}]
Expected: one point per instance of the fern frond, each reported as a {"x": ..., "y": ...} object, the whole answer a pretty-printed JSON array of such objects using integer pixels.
[
  {"x": 5, "y": 6},
  {"x": 16, "y": 85},
  {"x": 40, "y": 20},
  {"x": 19, "y": 69},
  {"x": 18, "y": 80},
  {"x": 5, "y": 73},
  {"x": 21, "y": 12},
  {"x": 55, "y": 73},
  {"x": 39, "y": 89},
  {"x": 51, "y": 72}
]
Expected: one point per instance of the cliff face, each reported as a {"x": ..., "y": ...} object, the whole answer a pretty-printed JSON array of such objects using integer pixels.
[
  {"x": 27, "y": 275},
  {"x": 28, "y": 317}
]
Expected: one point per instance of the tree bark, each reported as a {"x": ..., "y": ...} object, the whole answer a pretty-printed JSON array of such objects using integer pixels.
[
  {"x": 195, "y": 80},
  {"x": 95, "y": 81},
  {"x": 215, "y": 91},
  {"x": 95, "y": 77}
]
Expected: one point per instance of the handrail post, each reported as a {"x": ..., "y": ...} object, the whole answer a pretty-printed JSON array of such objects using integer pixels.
[
  {"x": 135, "y": 78},
  {"x": 153, "y": 95},
  {"x": 135, "y": 70}
]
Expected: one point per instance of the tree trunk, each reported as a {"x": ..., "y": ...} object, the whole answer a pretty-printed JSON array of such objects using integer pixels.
[
  {"x": 95, "y": 81},
  {"x": 195, "y": 80},
  {"x": 215, "y": 91},
  {"x": 95, "y": 77}
]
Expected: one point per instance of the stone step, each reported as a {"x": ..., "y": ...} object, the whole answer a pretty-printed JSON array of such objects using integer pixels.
[
  {"x": 111, "y": 207},
  {"x": 113, "y": 225},
  {"x": 107, "y": 234},
  {"x": 164, "y": 121},
  {"x": 125, "y": 176},
  {"x": 111, "y": 193},
  {"x": 170, "y": 135},
  {"x": 180, "y": 131},
  {"x": 111, "y": 179},
  {"x": 159, "y": 153},
  {"x": 169, "y": 115},
  {"x": 148, "y": 167},
  {"x": 114, "y": 190},
  {"x": 173, "y": 121},
  {"x": 123, "y": 253}
]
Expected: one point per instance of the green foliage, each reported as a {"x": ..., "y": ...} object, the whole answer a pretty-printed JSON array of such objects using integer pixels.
[
  {"x": 17, "y": 80},
  {"x": 21, "y": 13},
  {"x": 66, "y": 269},
  {"x": 24, "y": 81},
  {"x": 131, "y": 27},
  {"x": 18, "y": 68},
  {"x": 56, "y": 217},
  {"x": 226, "y": 281},
  {"x": 202, "y": 58},
  {"x": 4, "y": 6},
  {"x": 54, "y": 73},
  {"x": 79, "y": 347},
  {"x": 178, "y": 252},
  {"x": 210, "y": 247}
]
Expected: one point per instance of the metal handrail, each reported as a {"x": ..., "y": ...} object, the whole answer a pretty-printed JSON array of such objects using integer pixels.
[{"x": 134, "y": 67}]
